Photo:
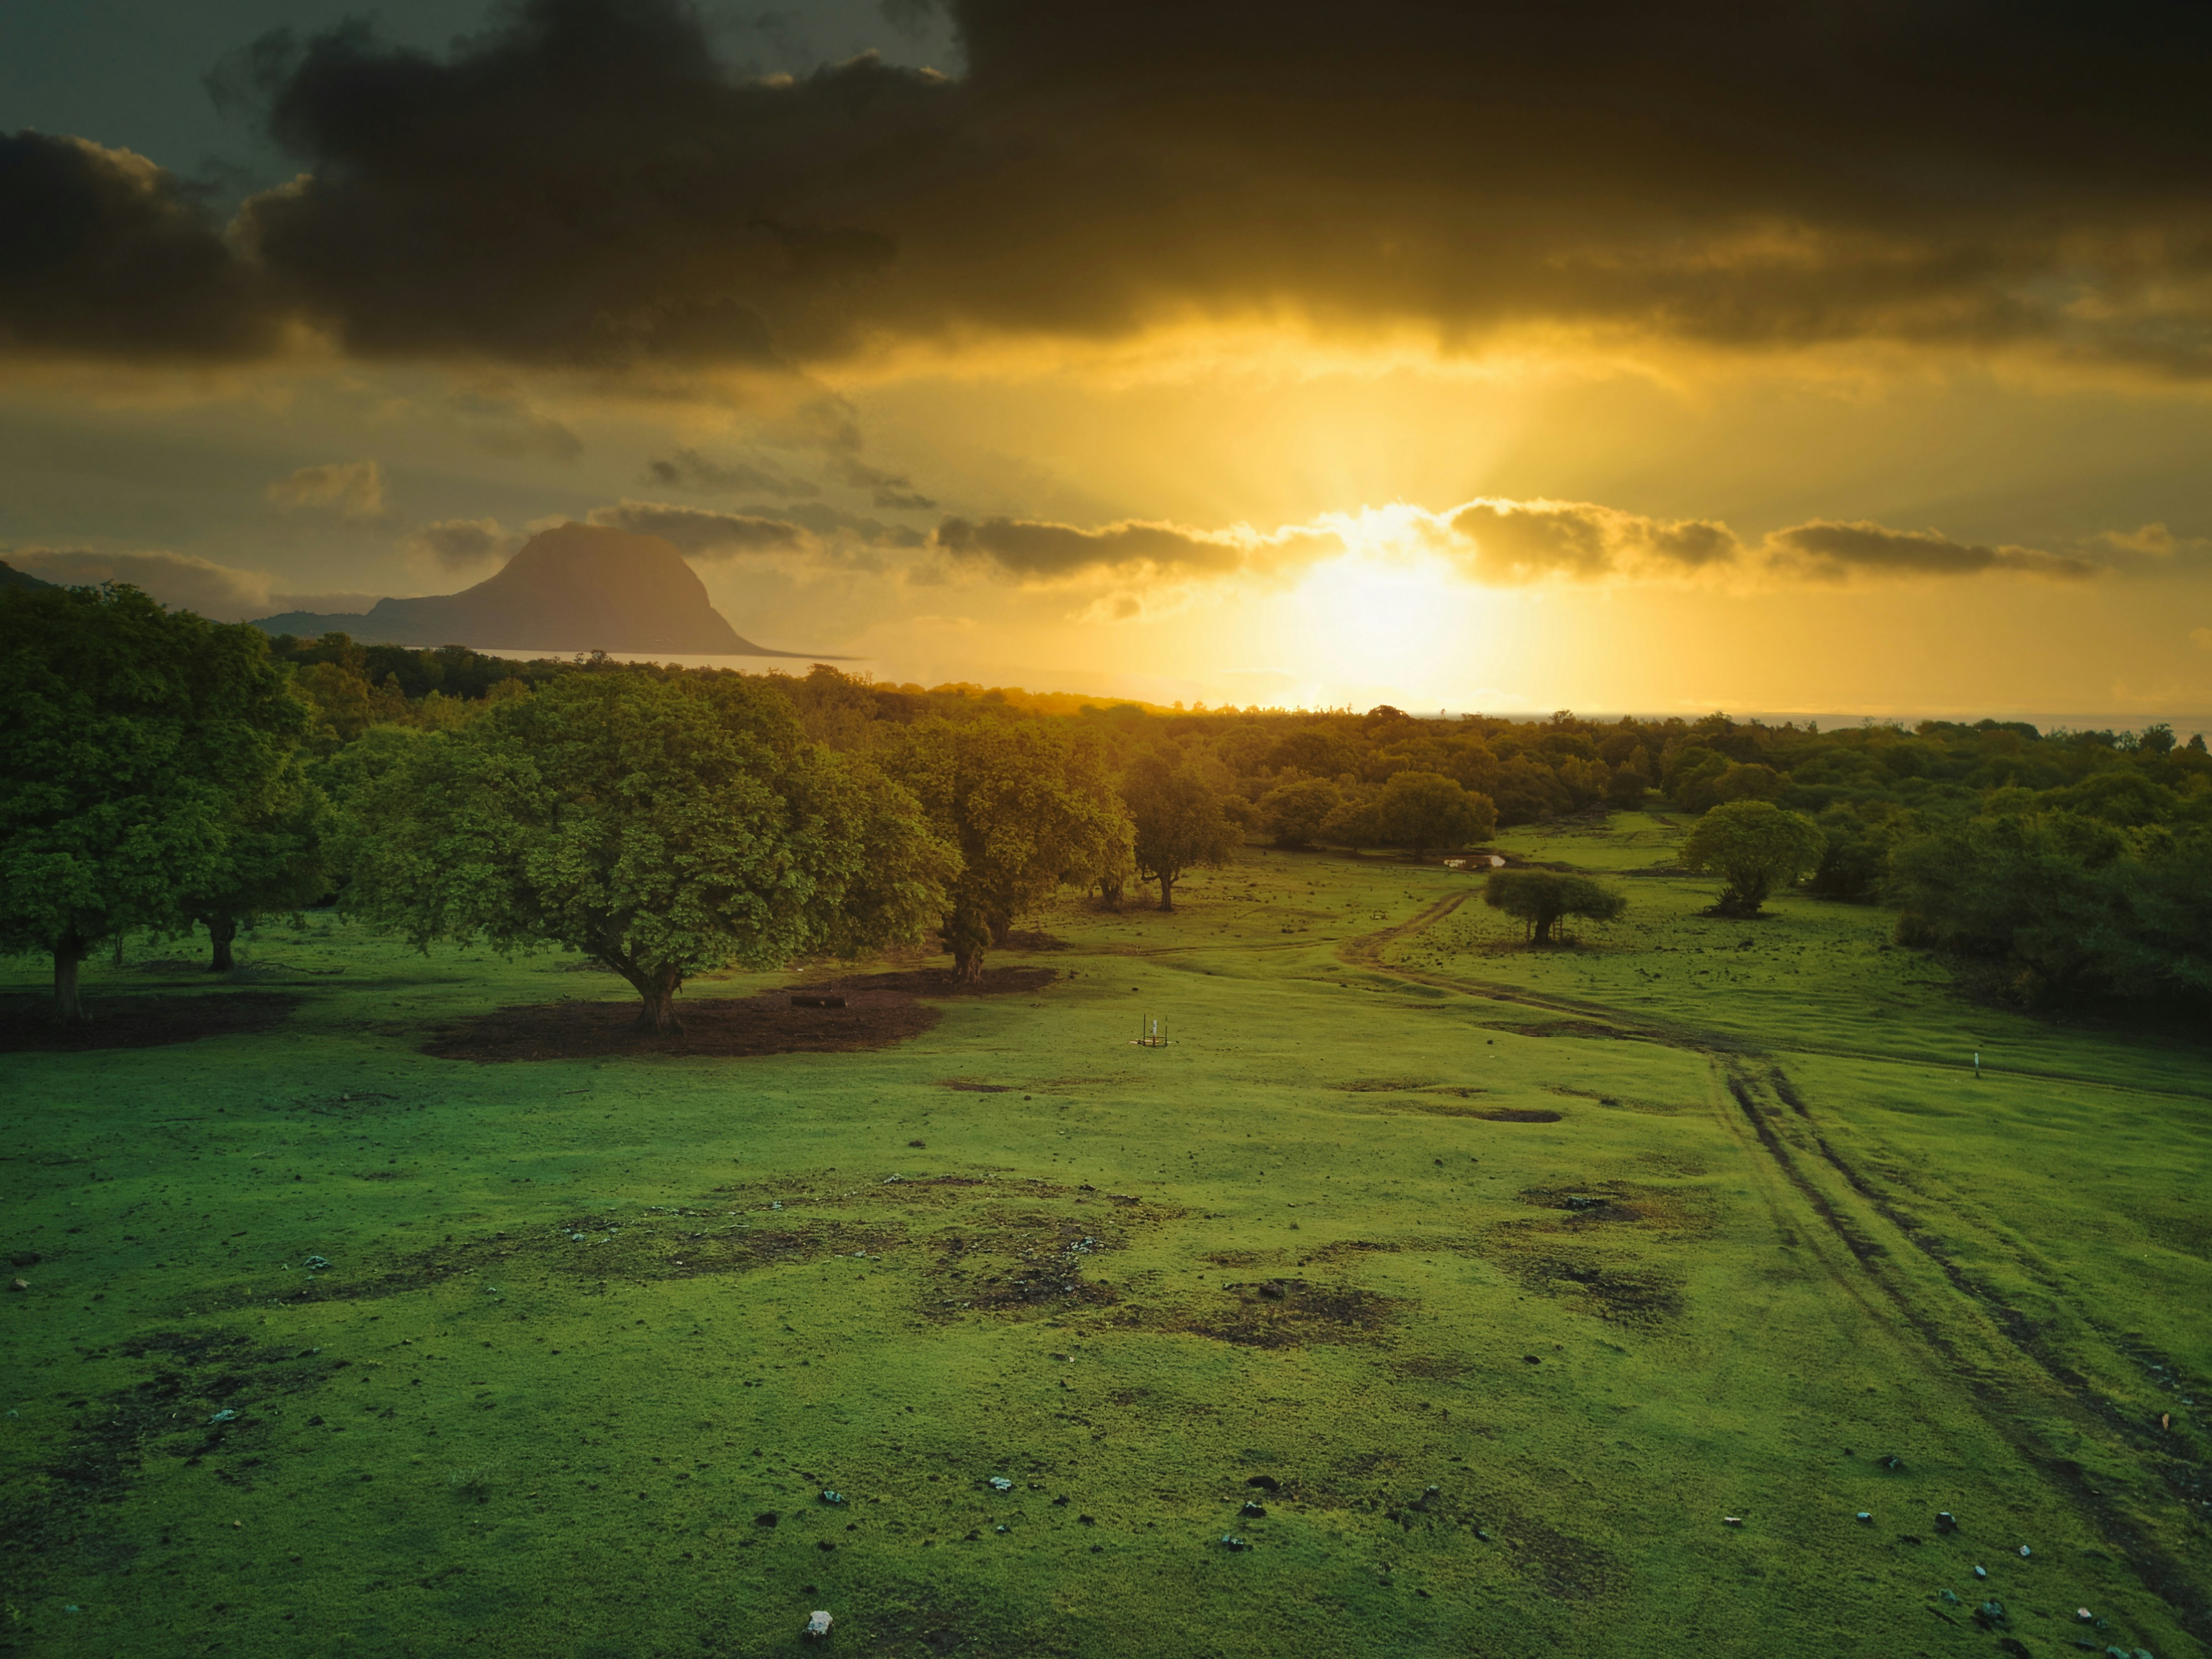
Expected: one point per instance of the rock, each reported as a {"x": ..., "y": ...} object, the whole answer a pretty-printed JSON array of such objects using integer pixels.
[
  {"x": 999, "y": 1483},
  {"x": 19, "y": 1283},
  {"x": 768, "y": 1519},
  {"x": 1275, "y": 1290},
  {"x": 1731, "y": 1520},
  {"x": 2023, "y": 1551},
  {"x": 1992, "y": 1615},
  {"x": 1893, "y": 1463},
  {"x": 1230, "y": 1541},
  {"x": 1981, "y": 1572},
  {"x": 1865, "y": 1517},
  {"x": 1948, "y": 1598},
  {"x": 222, "y": 1417},
  {"x": 1946, "y": 1521},
  {"x": 2082, "y": 1615},
  {"x": 817, "y": 1625},
  {"x": 829, "y": 1497},
  {"x": 1264, "y": 1482},
  {"x": 1430, "y": 1500},
  {"x": 1253, "y": 1512}
]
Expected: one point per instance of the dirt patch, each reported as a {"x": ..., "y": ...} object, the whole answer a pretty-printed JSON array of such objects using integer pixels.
[
  {"x": 1488, "y": 1114},
  {"x": 139, "y": 1022},
  {"x": 722, "y": 1028},
  {"x": 1012, "y": 1261},
  {"x": 1690, "y": 1212},
  {"x": 1289, "y": 1313},
  {"x": 1384, "y": 1085},
  {"x": 1573, "y": 1028},
  {"x": 968, "y": 1087},
  {"x": 1566, "y": 1568}
]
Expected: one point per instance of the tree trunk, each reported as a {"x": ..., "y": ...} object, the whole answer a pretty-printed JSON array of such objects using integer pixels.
[
  {"x": 69, "y": 1007},
  {"x": 657, "y": 987},
  {"x": 1002, "y": 929},
  {"x": 967, "y": 938},
  {"x": 1110, "y": 895},
  {"x": 1167, "y": 891},
  {"x": 221, "y": 930},
  {"x": 1544, "y": 926}
]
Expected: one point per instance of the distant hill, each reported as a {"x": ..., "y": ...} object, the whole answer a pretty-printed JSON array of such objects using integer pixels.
[
  {"x": 11, "y": 577},
  {"x": 580, "y": 587}
]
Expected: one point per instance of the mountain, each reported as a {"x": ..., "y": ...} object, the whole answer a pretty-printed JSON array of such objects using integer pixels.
[
  {"x": 11, "y": 577},
  {"x": 580, "y": 587}
]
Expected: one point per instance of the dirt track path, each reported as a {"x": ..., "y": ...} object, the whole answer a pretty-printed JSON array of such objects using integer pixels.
[{"x": 1886, "y": 1260}]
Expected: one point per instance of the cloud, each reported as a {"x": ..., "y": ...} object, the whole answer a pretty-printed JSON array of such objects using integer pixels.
[
  {"x": 704, "y": 533},
  {"x": 505, "y": 425},
  {"x": 1525, "y": 541},
  {"x": 105, "y": 255},
  {"x": 1833, "y": 551},
  {"x": 584, "y": 184},
  {"x": 185, "y": 581},
  {"x": 1038, "y": 549},
  {"x": 457, "y": 543},
  {"x": 354, "y": 490},
  {"x": 893, "y": 491},
  {"x": 689, "y": 470}
]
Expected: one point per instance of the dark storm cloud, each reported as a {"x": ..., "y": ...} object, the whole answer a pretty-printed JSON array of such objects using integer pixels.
[
  {"x": 586, "y": 184},
  {"x": 104, "y": 254}
]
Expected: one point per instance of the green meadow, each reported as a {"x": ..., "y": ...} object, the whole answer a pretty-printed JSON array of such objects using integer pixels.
[{"x": 1656, "y": 1294}]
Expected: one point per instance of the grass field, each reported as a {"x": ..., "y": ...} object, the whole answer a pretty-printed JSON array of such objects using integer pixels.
[{"x": 1514, "y": 1273}]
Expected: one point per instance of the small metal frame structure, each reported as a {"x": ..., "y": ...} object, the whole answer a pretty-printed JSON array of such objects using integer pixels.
[{"x": 1154, "y": 1033}]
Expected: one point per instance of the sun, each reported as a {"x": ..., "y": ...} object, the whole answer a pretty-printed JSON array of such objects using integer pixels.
[{"x": 1388, "y": 612}]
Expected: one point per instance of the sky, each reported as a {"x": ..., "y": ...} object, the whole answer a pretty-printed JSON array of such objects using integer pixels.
[{"x": 1848, "y": 359}]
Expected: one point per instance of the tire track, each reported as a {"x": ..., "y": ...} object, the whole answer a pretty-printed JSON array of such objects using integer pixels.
[{"x": 2018, "y": 1338}]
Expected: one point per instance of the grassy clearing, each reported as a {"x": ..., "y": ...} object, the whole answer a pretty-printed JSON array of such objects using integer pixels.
[{"x": 1604, "y": 1244}]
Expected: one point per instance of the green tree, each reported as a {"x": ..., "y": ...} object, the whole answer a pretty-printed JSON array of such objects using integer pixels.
[
  {"x": 1541, "y": 897},
  {"x": 1180, "y": 819},
  {"x": 1293, "y": 812},
  {"x": 272, "y": 861},
  {"x": 1754, "y": 846},
  {"x": 661, "y": 827},
  {"x": 1421, "y": 810},
  {"x": 1026, "y": 809},
  {"x": 136, "y": 741}
]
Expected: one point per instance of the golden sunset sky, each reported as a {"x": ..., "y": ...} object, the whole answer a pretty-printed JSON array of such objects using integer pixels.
[{"x": 1847, "y": 360}]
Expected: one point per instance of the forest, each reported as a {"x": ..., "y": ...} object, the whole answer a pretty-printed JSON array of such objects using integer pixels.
[{"x": 172, "y": 774}]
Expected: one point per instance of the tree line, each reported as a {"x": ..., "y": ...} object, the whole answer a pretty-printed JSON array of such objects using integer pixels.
[{"x": 167, "y": 772}]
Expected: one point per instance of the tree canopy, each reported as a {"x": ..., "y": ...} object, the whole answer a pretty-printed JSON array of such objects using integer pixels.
[
  {"x": 1025, "y": 807},
  {"x": 1542, "y": 897},
  {"x": 1418, "y": 810},
  {"x": 1180, "y": 819},
  {"x": 1755, "y": 846},
  {"x": 137, "y": 742},
  {"x": 662, "y": 827}
]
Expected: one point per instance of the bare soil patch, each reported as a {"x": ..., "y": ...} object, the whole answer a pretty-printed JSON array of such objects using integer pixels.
[
  {"x": 879, "y": 1009},
  {"x": 141, "y": 1022},
  {"x": 725, "y": 1027}
]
